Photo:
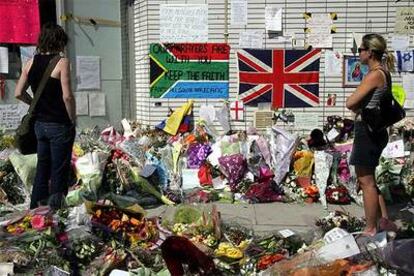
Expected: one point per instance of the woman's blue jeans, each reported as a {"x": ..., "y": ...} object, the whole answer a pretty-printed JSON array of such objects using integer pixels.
[{"x": 54, "y": 152}]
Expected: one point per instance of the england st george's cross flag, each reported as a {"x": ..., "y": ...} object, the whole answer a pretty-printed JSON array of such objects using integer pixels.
[{"x": 286, "y": 78}]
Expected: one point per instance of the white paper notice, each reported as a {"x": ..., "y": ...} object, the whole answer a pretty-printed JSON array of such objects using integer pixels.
[
  {"x": 11, "y": 115},
  {"x": 408, "y": 85},
  {"x": 320, "y": 23},
  {"x": 82, "y": 103},
  {"x": 273, "y": 17},
  {"x": 183, "y": 23},
  {"x": 286, "y": 233},
  {"x": 333, "y": 63},
  {"x": 26, "y": 53},
  {"x": 88, "y": 72},
  {"x": 332, "y": 134},
  {"x": 97, "y": 104},
  {"x": 320, "y": 40},
  {"x": 239, "y": 12},
  {"x": 251, "y": 39},
  {"x": 4, "y": 60},
  {"x": 306, "y": 121},
  {"x": 400, "y": 42},
  {"x": 394, "y": 149}
]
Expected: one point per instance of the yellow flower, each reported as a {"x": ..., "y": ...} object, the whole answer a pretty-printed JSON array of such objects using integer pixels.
[
  {"x": 234, "y": 253},
  {"x": 77, "y": 150},
  {"x": 227, "y": 250},
  {"x": 243, "y": 244}
]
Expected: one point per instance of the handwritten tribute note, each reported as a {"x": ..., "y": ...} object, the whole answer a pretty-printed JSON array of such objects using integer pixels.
[
  {"x": 404, "y": 20},
  {"x": 11, "y": 115},
  {"x": 183, "y": 23}
]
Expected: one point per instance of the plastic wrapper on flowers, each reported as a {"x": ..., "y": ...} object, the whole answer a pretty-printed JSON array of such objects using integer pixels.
[
  {"x": 197, "y": 154},
  {"x": 303, "y": 163},
  {"x": 25, "y": 167},
  {"x": 12, "y": 190},
  {"x": 282, "y": 145},
  {"x": 388, "y": 175},
  {"x": 233, "y": 167},
  {"x": 134, "y": 150},
  {"x": 323, "y": 162},
  {"x": 255, "y": 159},
  {"x": 161, "y": 171},
  {"x": 90, "y": 168},
  {"x": 145, "y": 186},
  {"x": 110, "y": 136}
]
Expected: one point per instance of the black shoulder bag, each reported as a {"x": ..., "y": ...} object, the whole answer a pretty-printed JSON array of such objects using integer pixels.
[
  {"x": 387, "y": 113},
  {"x": 25, "y": 138}
]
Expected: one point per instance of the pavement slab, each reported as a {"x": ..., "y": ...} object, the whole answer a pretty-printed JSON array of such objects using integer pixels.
[{"x": 268, "y": 217}]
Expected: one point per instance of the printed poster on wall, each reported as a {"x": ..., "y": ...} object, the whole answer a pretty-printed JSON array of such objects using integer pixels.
[
  {"x": 88, "y": 72},
  {"x": 189, "y": 70},
  {"x": 183, "y": 23},
  {"x": 19, "y": 21}
]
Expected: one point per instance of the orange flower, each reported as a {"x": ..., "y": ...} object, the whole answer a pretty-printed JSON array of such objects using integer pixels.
[
  {"x": 115, "y": 224},
  {"x": 311, "y": 190},
  {"x": 134, "y": 221}
]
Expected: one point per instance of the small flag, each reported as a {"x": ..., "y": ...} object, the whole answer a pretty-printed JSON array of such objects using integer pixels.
[
  {"x": 237, "y": 111},
  {"x": 405, "y": 60}
]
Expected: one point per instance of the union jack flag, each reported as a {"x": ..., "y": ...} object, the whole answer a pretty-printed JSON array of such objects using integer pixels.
[{"x": 287, "y": 78}]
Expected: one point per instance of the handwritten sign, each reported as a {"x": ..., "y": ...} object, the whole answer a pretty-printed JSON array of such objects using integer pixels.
[
  {"x": 189, "y": 70},
  {"x": 394, "y": 149},
  {"x": 320, "y": 40},
  {"x": 183, "y": 23},
  {"x": 404, "y": 20},
  {"x": 11, "y": 115},
  {"x": 306, "y": 121}
]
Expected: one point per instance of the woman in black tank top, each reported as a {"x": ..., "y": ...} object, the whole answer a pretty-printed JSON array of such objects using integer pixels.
[
  {"x": 55, "y": 118},
  {"x": 368, "y": 146}
]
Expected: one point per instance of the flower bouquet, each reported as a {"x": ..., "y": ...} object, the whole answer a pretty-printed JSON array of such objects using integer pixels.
[
  {"x": 126, "y": 225},
  {"x": 10, "y": 190},
  {"x": 29, "y": 222},
  {"x": 338, "y": 195},
  {"x": 342, "y": 220}
]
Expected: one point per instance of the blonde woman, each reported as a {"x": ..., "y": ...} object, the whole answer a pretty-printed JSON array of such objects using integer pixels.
[{"x": 368, "y": 145}]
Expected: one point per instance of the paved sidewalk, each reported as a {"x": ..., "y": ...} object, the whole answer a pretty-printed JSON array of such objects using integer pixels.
[{"x": 270, "y": 217}]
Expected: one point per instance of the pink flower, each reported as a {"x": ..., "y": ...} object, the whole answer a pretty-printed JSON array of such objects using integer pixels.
[{"x": 38, "y": 222}]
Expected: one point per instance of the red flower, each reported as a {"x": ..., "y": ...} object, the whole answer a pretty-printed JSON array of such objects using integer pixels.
[
  {"x": 62, "y": 237},
  {"x": 38, "y": 222},
  {"x": 267, "y": 260}
]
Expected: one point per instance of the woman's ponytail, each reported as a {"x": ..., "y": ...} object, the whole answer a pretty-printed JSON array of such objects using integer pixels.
[{"x": 389, "y": 61}]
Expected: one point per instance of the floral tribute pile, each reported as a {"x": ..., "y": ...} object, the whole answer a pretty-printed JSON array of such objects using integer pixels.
[{"x": 117, "y": 174}]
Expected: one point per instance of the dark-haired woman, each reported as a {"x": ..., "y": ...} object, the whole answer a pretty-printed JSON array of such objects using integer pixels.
[
  {"x": 55, "y": 118},
  {"x": 369, "y": 145}
]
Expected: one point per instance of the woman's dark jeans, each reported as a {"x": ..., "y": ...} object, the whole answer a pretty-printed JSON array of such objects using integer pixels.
[{"x": 54, "y": 152}]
